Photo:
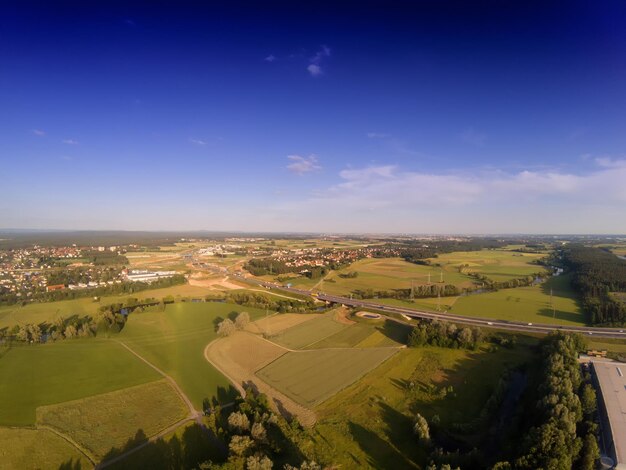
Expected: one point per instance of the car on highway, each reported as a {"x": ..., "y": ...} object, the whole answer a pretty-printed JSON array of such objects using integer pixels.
[{"x": 489, "y": 323}]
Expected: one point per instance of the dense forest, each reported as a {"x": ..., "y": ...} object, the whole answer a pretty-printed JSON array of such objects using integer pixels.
[
  {"x": 596, "y": 274},
  {"x": 562, "y": 433}
]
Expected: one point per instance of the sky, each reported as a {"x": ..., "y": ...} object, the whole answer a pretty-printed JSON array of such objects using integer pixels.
[{"x": 354, "y": 117}]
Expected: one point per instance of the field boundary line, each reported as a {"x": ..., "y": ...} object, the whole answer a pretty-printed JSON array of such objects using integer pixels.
[
  {"x": 87, "y": 453},
  {"x": 193, "y": 413}
]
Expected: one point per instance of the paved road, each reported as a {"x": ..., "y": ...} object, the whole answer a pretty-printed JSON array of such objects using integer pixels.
[{"x": 543, "y": 328}]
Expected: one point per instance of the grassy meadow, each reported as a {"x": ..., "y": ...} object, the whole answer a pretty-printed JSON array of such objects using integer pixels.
[
  {"x": 46, "y": 374},
  {"x": 174, "y": 340},
  {"x": 49, "y": 311},
  {"x": 369, "y": 424},
  {"x": 526, "y": 304},
  {"x": 101, "y": 422},
  {"x": 497, "y": 265},
  {"x": 26, "y": 448}
]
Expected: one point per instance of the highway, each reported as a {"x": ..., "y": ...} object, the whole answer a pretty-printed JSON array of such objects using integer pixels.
[{"x": 542, "y": 328}]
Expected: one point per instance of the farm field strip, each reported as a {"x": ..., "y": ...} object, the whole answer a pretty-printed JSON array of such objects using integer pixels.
[
  {"x": 34, "y": 376},
  {"x": 301, "y": 336},
  {"x": 310, "y": 377},
  {"x": 101, "y": 422},
  {"x": 240, "y": 355}
]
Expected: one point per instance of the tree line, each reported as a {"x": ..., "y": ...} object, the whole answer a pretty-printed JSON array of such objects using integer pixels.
[
  {"x": 562, "y": 432},
  {"x": 597, "y": 273},
  {"x": 444, "y": 335}
]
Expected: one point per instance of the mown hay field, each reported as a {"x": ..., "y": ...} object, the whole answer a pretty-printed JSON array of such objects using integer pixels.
[
  {"x": 101, "y": 422},
  {"x": 310, "y": 377}
]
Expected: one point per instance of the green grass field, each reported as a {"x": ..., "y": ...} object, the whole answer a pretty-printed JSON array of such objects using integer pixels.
[
  {"x": 310, "y": 377},
  {"x": 50, "y": 311},
  {"x": 101, "y": 422},
  {"x": 38, "y": 375},
  {"x": 386, "y": 274},
  {"x": 526, "y": 304},
  {"x": 497, "y": 265},
  {"x": 174, "y": 340},
  {"x": 347, "y": 338},
  {"x": 369, "y": 424},
  {"x": 309, "y": 333},
  {"x": 36, "y": 449}
]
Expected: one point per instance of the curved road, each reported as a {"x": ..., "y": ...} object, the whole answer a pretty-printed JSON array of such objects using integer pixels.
[{"x": 543, "y": 328}]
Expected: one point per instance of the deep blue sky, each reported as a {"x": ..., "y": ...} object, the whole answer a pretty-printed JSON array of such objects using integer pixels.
[{"x": 432, "y": 116}]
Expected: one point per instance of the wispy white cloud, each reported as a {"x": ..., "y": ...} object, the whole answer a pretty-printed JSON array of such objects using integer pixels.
[
  {"x": 473, "y": 137},
  {"x": 610, "y": 162},
  {"x": 389, "y": 186},
  {"x": 377, "y": 135},
  {"x": 270, "y": 58},
  {"x": 70, "y": 141},
  {"x": 301, "y": 165},
  {"x": 315, "y": 62},
  {"x": 315, "y": 70},
  {"x": 197, "y": 141},
  {"x": 39, "y": 132}
]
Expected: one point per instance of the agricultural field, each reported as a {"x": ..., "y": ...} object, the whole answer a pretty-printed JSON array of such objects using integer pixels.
[
  {"x": 526, "y": 304},
  {"x": 387, "y": 274},
  {"x": 27, "y": 448},
  {"x": 369, "y": 424},
  {"x": 310, "y": 377},
  {"x": 34, "y": 376},
  {"x": 174, "y": 340},
  {"x": 50, "y": 311},
  {"x": 309, "y": 333},
  {"x": 497, "y": 265},
  {"x": 101, "y": 422},
  {"x": 276, "y": 323}
]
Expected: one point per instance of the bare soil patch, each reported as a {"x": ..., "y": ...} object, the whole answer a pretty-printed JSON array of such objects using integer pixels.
[{"x": 341, "y": 316}]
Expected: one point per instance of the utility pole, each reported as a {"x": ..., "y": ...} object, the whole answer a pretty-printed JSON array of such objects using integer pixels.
[
  {"x": 438, "y": 300},
  {"x": 412, "y": 288},
  {"x": 429, "y": 278},
  {"x": 552, "y": 304},
  {"x": 441, "y": 278}
]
